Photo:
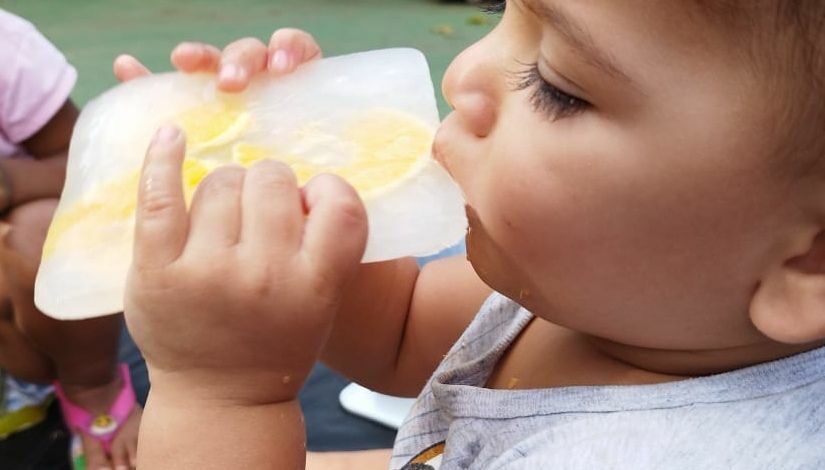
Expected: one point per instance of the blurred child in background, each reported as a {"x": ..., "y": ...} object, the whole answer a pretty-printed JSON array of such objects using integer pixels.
[{"x": 36, "y": 121}]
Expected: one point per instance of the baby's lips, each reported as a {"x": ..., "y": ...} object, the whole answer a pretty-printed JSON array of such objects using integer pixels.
[{"x": 438, "y": 150}]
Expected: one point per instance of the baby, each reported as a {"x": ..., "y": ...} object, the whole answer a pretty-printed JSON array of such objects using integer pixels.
[
  {"x": 646, "y": 199},
  {"x": 36, "y": 120}
]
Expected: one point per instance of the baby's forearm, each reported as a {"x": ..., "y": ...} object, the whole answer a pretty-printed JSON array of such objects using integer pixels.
[
  {"x": 20, "y": 358},
  {"x": 396, "y": 323},
  {"x": 84, "y": 353},
  {"x": 369, "y": 326},
  {"x": 178, "y": 431},
  {"x": 28, "y": 179}
]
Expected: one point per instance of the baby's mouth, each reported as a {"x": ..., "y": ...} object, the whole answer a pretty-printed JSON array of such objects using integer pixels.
[
  {"x": 438, "y": 156},
  {"x": 438, "y": 150}
]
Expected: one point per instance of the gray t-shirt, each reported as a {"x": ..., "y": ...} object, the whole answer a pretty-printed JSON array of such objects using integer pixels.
[{"x": 770, "y": 416}]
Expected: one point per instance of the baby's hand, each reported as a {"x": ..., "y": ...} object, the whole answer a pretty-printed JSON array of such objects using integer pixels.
[
  {"x": 234, "y": 300},
  {"x": 238, "y": 62}
]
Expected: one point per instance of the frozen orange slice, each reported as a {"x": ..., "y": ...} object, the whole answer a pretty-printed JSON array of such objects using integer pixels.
[
  {"x": 194, "y": 171},
  {"x": 213, "y": 124},
  {"x": 115, "y": 203},
  {"x": 374, "y": 153},
  {"x": 246, "y": 154},
  {"x": 82, "y": 223}
]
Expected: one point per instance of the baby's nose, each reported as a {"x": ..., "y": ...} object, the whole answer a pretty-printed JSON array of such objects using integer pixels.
[
  {"x": 470, "y": 87},
  {"x": 476, "y": 111}
]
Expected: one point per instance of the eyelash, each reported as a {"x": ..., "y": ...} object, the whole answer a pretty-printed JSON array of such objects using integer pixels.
[
  {"x": 546, "y": 98},
  {"x": 493, "y": 7}
]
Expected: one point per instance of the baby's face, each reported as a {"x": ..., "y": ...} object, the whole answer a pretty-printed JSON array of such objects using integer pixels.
[{"x": 616, "y": 160}]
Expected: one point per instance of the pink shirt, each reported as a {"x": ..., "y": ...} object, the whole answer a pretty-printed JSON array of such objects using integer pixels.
[{"x": 35, "y": 81}]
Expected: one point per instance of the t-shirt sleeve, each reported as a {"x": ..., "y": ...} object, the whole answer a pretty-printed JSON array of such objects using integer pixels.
[{"x": 35, "y": 79}]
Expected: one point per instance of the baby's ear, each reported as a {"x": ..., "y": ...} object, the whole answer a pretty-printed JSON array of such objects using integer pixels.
[{"x": 789, "y": 303}]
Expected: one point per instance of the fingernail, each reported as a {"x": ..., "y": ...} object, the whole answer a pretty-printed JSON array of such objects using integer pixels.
[
  {"x": 121, "y": 467},
  {"x": 166, "y": 134},
  {"x": 231, "y": 72},
  {"x": 280, "y": 60},
  {"x": 190, "y": 45}
]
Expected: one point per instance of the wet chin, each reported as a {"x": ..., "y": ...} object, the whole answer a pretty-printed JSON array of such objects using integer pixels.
[
  {"x": 488, "y": 260},
  {"x": 494, "y": 267}
]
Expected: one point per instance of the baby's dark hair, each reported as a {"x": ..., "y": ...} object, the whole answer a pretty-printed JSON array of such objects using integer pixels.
[{"x": 785, "y": 42}]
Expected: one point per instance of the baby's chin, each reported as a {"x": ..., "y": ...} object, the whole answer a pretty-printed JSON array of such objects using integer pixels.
[
  {"x": 473, "y": 242},
  {"x": 490, "y": 262}
]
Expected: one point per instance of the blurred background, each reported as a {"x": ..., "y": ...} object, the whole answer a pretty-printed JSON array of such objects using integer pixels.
[{"x": 91, "y": 33}]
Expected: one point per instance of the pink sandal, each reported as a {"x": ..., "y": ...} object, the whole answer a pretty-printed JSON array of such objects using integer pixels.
[{"x": 104, "y": 427}]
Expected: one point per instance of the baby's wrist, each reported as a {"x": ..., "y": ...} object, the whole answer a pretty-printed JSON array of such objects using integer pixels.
[
  {"x": 97, "y": 397},
  {"x": 221, "y": 389},
  {"x": 197, "y": 401},
  {"x": 219, "y": 434}
]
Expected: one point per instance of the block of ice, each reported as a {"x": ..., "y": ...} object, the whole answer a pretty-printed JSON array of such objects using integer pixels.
[{"x": 368, "y": 117}]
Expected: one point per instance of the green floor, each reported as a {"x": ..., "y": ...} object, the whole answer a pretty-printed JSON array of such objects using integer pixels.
[{"x": 92, "y": 32}]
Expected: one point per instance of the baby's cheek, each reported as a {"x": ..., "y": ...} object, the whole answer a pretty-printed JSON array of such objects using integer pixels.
[{"x": 508, "y": 224}]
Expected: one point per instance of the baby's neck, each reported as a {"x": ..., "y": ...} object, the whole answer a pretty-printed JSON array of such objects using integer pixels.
[
  {"x": 547, "y": 355},
  {"x": 692, "y": 363}
]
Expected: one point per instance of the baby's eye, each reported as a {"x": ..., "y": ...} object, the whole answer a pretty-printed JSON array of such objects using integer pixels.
[
  {"x": 546, "y": 98},
  {"x": 493, "y": 7}
]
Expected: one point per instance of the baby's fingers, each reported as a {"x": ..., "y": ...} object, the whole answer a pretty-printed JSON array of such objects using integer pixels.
[
  {"x": 289, "y": 48},
  {"x": 120, "y": 456},
  {"x": 239, "y": 62},
  {"x": 335, "y": 234},
  {"x": 161, "y": 222},
  {"x": 127, "y": 68},
  {"x": 272, "y": 210},
  {"x": 96, "y": 458},
  {"x": 124, "y": 446},
  {"x": 194, "y": 57}
]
